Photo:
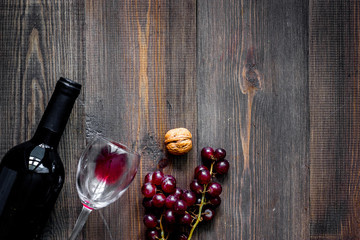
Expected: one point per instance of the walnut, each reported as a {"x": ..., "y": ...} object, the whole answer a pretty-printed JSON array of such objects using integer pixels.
[{"x": 178, "y": 141}]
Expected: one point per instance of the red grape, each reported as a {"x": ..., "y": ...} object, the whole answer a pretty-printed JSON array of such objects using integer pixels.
[
  {"x": 157, "y": 177},
  {"x": 150, "y": 221},
  {"x": 208, "y": 214},
  {"x": 220, "y": 154},
  {"x": 196, "y": 187},
  {"x": 170, "y": 201},
  {"x": 158, "y": 200},
  {"x": 215, "y": 201},
  {"x": 180, "y": 207},
  {"x": 214, "y": 189},
  {"x": 169, "y": 216},
  {"x": 148, "y": 190},
  {"x": 152, "y": 234},
  {"x": 183, "y": 236},
  {"x": 168, "y": 185},
  {"x": 203, "y": 176},
  {"x": 222, "y": 166},
  {"x": 185, "y": 219},
  {"x": 207, "y": 153},
  {"x": 199, "y": 168},
  {"x": 198, "y": 200},
  {"x": 189, "y": 197},
  {"x": 170, "y": 177},
  {"x": 148, "y": 178},
  {"x": 178, "y": 192}
]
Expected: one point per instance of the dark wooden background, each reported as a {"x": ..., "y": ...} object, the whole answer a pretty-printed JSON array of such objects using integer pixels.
[{"x": 275, "y": 83}]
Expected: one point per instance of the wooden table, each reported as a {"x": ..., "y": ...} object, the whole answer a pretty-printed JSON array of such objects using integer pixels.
[{"x": 275, "y": 83}]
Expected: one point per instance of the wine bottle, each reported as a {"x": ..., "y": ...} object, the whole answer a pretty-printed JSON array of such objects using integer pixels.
[{"x": 32, "y": 174}]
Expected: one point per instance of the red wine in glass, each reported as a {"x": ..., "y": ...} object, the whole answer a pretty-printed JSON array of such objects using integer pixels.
[{"x": 105, "y": 170}]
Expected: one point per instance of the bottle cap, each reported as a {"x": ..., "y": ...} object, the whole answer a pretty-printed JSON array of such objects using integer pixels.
[{"x": 69, "y": 86}]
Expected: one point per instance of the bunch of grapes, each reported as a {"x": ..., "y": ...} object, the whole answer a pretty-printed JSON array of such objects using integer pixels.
[{"x": 168, "y": 207}]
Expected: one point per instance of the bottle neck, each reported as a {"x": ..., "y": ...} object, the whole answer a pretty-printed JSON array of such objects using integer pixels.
[
  {"x": 46, "y": 136},
  {"x": 57, "y": 113}
]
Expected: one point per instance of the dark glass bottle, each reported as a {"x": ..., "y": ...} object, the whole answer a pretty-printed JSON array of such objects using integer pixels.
[{"x": 32, "y": 174}]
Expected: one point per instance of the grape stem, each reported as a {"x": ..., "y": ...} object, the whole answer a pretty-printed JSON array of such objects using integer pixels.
[
  {"x": 199, "y": 218},
  {"x": 162, "y": 230}
]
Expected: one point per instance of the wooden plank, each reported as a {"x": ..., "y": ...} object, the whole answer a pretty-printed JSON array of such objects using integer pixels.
[
  {"x": 334, "y": 100},
  {"x": 253, "y": 101},
  {"x": 140, "y": 83},
  {"x": 41, "y": 41}
]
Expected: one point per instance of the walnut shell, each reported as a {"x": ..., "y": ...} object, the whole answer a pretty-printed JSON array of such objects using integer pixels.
[{"x": 178, "y": 141}]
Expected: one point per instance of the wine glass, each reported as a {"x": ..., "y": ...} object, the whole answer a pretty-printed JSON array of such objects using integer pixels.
[{"x": 105, "y": 170}]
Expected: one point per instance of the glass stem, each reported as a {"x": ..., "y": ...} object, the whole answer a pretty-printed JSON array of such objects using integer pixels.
[{"x": 85, "y": 212}]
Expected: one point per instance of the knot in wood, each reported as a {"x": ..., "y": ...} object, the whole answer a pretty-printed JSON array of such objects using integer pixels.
[{"x": 251, "y": 80}]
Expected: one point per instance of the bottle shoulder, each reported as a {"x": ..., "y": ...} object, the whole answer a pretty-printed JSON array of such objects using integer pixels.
[
  {"x": 17, "y": 152},
  {"x": 33, "y": 157}
]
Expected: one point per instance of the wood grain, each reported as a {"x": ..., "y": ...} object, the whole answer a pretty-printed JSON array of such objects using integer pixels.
[
  {"x": 252, "y": 58},
  {"x": 141, "y": 83},
  {"x": 275, "y": 83},
  {"x": 334, "y": 100}
]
